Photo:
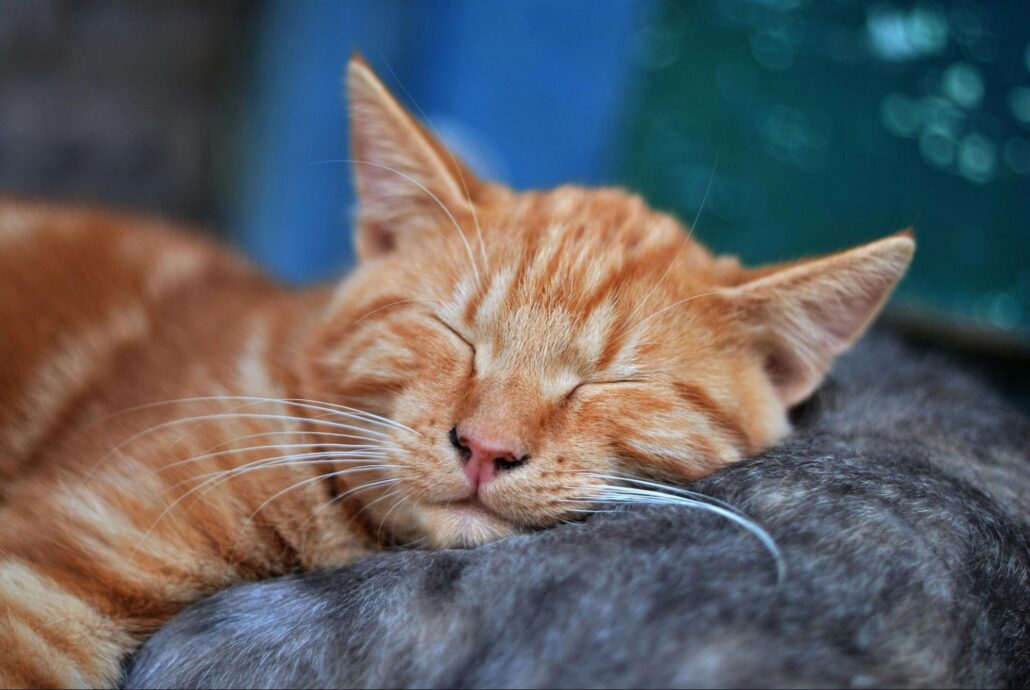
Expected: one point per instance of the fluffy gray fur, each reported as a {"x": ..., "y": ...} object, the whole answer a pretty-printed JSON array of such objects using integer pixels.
[{"x": 901, "y": 505}]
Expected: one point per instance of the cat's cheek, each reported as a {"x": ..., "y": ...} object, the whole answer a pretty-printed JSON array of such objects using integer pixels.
[
  {"x": 428, "y": 405},
  {"x": 433, "y": 392},
  {"x": 390, "y": 361}
]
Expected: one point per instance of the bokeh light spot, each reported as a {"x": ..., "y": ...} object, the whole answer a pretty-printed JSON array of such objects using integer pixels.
[
  {"x": 901, "y": 116},
  {"x": 1016, "y": 153},
  {"x": 977, "y": 158},
  {"x": 963, "y": 84},
  {"x": 937, "y": 147},
  {"x": 898, "y": 35},
  {"x": 1019, "y": 103},
  {"x": 941, "y": 115},
  {"x": 1000, "y": 309}
]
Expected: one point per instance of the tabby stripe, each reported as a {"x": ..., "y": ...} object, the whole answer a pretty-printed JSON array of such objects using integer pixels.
[
  {"x": 612, "y": 347},
  {"x": 378, "y": 309},
  {"x": 529, "y": 254},
  {"x": 482, "y": 289},
  {"x": 59, "y": 640},
  {"x": 696, "y": 397},
  {"x": 559, "y": 253}
]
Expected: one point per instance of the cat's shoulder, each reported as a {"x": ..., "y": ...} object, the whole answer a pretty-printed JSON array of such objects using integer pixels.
[
  {"x": 64, "y": 245},
  {"x": 79, "y": 285},
  {"x": 25, "y": 222}
]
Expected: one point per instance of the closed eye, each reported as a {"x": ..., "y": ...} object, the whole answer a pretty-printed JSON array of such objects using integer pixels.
[
  {"x": 453, "y": 330},
  {"x": 613, "y": 382}
]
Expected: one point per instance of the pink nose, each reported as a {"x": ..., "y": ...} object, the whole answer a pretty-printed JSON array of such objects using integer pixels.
[{"x": 485, "y": 458}]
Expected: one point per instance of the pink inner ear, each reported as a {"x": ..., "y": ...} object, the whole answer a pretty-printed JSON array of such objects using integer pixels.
[
  {"x": 405, "y": 178},
  {"x": 842, "y": 313},
  {"x": 784, "y": 371},
  {"x": 375, "y": 239},
  {"x": 817, "y": 333},
  {"x": 373, "y": 179},
  {"x": 813, "y": 311}
]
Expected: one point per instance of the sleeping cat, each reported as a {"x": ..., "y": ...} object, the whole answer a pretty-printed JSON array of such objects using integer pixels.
[
  {"x": 900, "y": 504},
  {"x": 172, "y": 423}
]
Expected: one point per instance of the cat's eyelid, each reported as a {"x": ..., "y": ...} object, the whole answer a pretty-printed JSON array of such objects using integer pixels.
[
  {"x": 602, "y": 382},
  {"x": 453, "y": 330}
]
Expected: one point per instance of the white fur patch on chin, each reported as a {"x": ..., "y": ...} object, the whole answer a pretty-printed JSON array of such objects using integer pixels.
[{"x": 453, "y": 526}]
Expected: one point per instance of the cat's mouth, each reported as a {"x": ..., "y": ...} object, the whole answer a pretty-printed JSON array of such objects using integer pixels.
[
  {"x": 465, "y": 522},
  {"x": 472, "y": 503}
]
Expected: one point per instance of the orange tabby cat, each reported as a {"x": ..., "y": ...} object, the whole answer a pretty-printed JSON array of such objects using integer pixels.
[{"x": 171, "y": 422}]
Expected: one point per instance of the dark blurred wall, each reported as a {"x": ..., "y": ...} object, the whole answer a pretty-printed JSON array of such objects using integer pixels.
[{"x": 116, "y": 101}]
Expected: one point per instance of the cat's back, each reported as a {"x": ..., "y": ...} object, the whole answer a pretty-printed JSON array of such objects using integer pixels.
[{"x": 77, "y": 287}]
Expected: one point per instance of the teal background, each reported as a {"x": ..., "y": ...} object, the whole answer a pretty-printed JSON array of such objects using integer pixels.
[
  {"x": 833, "y": 123},
  {"x": 820, "y": 124}
]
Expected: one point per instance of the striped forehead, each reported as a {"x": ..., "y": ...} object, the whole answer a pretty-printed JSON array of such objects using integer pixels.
[{"x": 542, "y": 308}]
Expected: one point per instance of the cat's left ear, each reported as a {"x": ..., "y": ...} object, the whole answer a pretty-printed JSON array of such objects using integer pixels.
[
  {"x": 405, "y": 178},
  {"x": 802, "y": 315}
]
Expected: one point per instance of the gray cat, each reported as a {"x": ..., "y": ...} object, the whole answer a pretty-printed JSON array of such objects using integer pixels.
[{"x": 901, "y": 507}]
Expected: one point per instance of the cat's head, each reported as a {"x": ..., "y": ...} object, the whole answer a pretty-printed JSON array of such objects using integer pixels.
[{"x": 528, "y": 342}]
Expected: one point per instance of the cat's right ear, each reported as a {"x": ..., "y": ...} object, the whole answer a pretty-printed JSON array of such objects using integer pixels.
[
  {"x": 805, "y": 313},
  {"x": 406, "y": 179}
]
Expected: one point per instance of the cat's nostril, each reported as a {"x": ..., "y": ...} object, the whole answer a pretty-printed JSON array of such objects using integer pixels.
[
  {"x": 456, "y": 442},
  {"x": 506, "y": 464},
  {"x": 485, "y": 457}
]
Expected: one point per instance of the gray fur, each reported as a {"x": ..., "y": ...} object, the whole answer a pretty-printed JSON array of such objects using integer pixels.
[{"x": 901, "y": 504}]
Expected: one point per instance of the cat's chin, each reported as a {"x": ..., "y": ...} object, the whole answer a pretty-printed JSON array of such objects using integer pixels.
[{"x": 462, "y": 524}]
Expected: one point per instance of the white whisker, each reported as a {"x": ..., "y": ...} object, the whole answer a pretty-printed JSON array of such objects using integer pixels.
[
  {"x": 301, "y": 432},
  {"x": 450, "y": 154},
  {"x": 694, "y": 500},
  {"x": 243, "y": 415},
  {"x": 393, "y": 304},
  {"x": 434, "y": 197},
  {"x": 327, "y": 407},
  {"x": 384, "y": 420},
  {"x": 294, "y": 460},
  {"x": 118, "y": 449},
  {"x": 396, "y": 504},
  {"x": 216, "y": 478},
  {"x": 372, "y": 485},
  {"x": 385, "y": 496},
  {"x": 332, "y": 501},
  {"x": 197, "y": 458},
  {"x": 686, "y": 242},
  {"x": 665, "y": 487},
  {"x": 297, "y": 485},
  {"x": 674, "y": 304}
]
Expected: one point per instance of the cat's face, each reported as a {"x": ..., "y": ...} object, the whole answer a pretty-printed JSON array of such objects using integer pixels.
[
  {"x": 541, "y": 355},
  {"x": 523, "y": 344}
]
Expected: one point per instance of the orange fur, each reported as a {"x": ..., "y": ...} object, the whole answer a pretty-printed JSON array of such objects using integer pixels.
[{"x": 582, "y": 326}]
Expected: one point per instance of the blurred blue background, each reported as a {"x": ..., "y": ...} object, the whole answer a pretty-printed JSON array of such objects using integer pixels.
[
  {"x": 820, "y": 123},
  {"x": 532, "y": 93}
]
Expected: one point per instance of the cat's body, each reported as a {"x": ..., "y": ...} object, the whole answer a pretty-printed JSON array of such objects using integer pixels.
[
  {"x": 901, "y": 503},
  {"x": 114, "y": 315},
  {"x": 172, "y": 423}
]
